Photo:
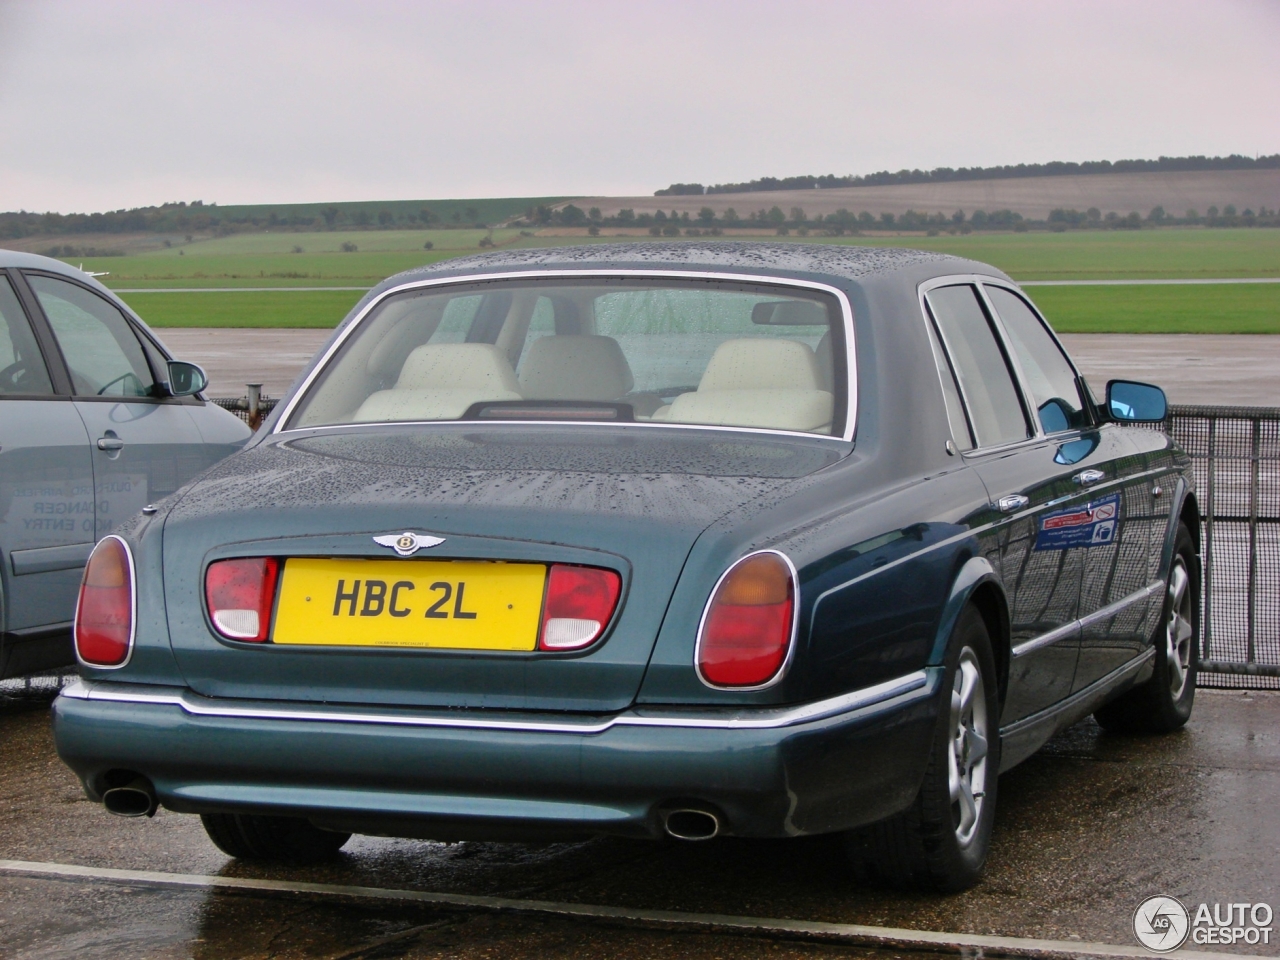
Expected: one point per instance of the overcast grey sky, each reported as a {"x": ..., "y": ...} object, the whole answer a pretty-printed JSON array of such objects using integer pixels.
[{"x": 115, "y": 104}]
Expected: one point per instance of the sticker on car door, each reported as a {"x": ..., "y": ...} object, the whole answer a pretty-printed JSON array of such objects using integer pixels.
[{"x": 1088, "y": 525}]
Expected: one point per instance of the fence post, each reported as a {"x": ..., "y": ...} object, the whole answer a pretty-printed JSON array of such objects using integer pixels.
[
  {"x": 255, "y": 404},
  {"x": 1211, "y": 508},
  {"x": 1255, "y": 453}
]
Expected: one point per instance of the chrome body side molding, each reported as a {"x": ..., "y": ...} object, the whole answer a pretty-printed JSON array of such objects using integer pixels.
[{"x": 1075, "y": 626}]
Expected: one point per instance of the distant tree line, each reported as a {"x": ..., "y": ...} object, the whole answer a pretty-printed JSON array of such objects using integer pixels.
[
  {"x": 1007, "y": 172},
  {"x": 198, "y": 217},
  {"x": 707, "y": 222}
]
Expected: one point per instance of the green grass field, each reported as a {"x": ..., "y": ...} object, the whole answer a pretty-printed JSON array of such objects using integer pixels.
[
  {"x": 267, "y": 259},
  {"x": 1211, "y": 308},
  {"x": 1114, "y": 254},
  {"x": 283, "y": 309},
  {"x": 264, "y": 260}
]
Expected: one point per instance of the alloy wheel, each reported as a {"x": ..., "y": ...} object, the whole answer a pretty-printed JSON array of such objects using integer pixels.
[
  {"x": 1179, "y": 633},
  {"x": 967, "y": 759}
]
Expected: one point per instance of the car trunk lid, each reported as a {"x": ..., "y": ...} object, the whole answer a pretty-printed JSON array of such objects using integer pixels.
[{"x": 629, "y": 501}]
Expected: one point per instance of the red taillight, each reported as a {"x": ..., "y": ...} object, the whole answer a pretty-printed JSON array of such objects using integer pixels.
[
  {"x": 746, "y": 631},
  {"x": 580, "y": 601},
  {"x": 104, "y": 615},
  {"x": 240, "y": 593}
]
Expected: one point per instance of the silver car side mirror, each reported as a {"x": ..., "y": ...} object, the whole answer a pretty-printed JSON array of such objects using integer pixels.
[{"x": 185, "y": 379}]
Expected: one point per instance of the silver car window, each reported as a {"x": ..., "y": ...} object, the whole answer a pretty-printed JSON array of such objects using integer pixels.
[
  {"x": 101, "y": 350},
  {"x": 22, "y": 368}
]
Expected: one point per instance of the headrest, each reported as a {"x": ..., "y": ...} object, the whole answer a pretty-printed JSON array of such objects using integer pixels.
[
  {"x": 826, "y": 361},
  {"x": 566, "y": 367},
  {"x": 435, "y": 366},
  {"x": 760, "y": 364}
]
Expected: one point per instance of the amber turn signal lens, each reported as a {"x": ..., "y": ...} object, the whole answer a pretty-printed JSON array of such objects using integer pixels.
[
  {"x": 756, "y": 581},
  {"x": 104, "y": 613},
  {"x": 746, "y": 631}
]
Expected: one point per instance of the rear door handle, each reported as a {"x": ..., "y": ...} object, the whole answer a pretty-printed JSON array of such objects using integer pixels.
[
  {"x": 1088, "y": 477},
  {"x": 1012, "y": 503},
  {"x": 110, "y": 443}
]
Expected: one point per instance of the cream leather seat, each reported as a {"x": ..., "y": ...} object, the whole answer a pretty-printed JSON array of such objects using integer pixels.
[
  {"x": 566, "y": 367},
  {"x": 759, "y": 382},
  {"x": 439, "y": 381}
]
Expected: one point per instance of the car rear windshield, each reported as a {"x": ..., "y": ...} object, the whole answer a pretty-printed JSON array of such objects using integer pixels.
[{"x": 657, "y": 351}]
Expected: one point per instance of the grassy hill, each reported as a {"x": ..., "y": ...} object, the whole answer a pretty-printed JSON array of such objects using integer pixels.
[
  {"x": 266, "y": 259},
  {"x": 1032, "y": 197}
]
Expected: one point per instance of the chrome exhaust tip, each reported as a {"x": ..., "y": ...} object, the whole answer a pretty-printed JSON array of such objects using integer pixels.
[
  {"x": 137, "y": 798},
  {"x": 690, "y": 824}
]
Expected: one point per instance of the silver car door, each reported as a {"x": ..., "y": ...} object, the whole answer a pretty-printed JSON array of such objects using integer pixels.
[
  {"x": 46, "y": 492},
  {"x": 144, "y": 445}
]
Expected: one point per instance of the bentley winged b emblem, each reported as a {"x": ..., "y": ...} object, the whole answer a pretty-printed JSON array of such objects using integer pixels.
[{"x": 407, "y": 544}]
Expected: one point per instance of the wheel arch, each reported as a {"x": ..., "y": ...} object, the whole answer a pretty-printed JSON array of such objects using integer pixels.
[
  {"x": 975, "y": 582},
  {"x": 1189, "y": 513},
  {"x": 1186, "y": 509}
]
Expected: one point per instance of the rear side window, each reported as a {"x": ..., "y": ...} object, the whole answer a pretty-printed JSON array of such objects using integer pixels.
[
  {"x": 1047, "y": 372},
  {"x": 101, "y": 350},
  {"x": 978, "y": 360},
  {"x": 22, "y": 369},
  {"x": 951, "y": 394}
]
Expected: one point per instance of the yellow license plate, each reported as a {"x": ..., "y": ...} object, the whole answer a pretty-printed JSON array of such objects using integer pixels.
[{"x": 457, "y": 604}]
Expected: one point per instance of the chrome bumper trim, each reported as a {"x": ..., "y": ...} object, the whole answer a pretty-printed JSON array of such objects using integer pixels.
[{"x": 902, "y": 690}]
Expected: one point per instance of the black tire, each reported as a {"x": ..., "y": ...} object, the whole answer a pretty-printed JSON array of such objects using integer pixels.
[
  {"x": 929, "y": 845},
  {"x": 287, "y": 839},
  {"x": 1163, "y": 704}
]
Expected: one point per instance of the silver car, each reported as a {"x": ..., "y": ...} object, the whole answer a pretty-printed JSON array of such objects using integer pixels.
[{"x": 96, "y": 421}]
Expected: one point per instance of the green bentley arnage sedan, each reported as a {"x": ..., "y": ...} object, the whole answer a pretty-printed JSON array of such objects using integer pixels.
[{"x": 687, "y": 539}]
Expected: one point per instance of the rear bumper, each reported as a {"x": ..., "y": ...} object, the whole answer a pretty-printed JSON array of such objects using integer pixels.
[{"x": 817, "y": 768}]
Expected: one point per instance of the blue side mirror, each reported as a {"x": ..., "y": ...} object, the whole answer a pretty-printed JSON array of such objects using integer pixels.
[{"x": 1131, "y": 402}]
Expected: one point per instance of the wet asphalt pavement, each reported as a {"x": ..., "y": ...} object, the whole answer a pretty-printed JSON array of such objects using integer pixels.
[{"x": 1086, "y": 829}]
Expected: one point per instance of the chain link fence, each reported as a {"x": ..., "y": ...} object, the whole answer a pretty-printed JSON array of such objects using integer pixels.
[
  {"x": 252, "y": 408},
  {"x": 1235, "y": 453}
]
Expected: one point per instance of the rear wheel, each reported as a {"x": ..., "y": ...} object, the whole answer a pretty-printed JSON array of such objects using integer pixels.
[
  {"x": 1163, "y": 704},
  {"x": 253, "y": 837},
  {"x": 940, "y": 842}
]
